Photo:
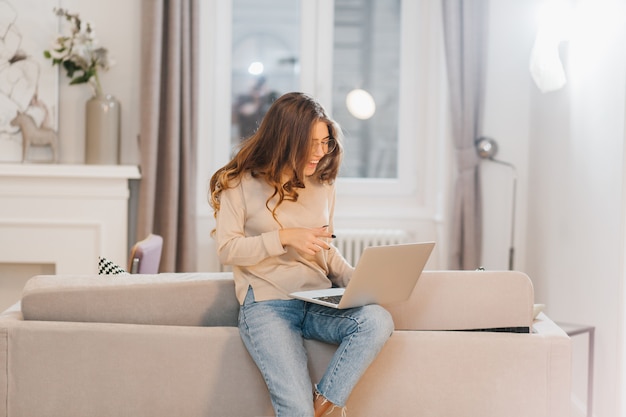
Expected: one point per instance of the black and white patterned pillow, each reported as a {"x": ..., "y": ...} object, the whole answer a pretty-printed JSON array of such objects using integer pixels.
[{"x": 107, "y": 267}]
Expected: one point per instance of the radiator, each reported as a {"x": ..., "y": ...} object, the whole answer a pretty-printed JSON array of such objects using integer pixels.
[{"x": 351, "y": 242}]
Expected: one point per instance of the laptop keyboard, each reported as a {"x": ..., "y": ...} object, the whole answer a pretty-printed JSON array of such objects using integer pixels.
[{"x": 333, "y": 299}]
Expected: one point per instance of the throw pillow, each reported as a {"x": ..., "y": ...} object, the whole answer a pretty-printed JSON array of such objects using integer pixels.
[{"x": 107, "y": 267}]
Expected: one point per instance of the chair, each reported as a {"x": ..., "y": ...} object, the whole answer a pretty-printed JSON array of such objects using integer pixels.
[{"x": 145, "y": 255}]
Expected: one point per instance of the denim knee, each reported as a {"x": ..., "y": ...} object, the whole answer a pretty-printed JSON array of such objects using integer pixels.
[{"x": 379, "y": 323}]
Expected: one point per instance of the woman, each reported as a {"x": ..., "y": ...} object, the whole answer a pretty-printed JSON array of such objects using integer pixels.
[{"x": 274, "y": 204}]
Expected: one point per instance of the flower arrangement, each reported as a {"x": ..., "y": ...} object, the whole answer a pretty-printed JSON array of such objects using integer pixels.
[{"x": 79, "y": 53}]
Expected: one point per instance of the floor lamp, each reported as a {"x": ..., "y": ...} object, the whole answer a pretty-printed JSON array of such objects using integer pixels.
[{"x": 487, "y": 148}]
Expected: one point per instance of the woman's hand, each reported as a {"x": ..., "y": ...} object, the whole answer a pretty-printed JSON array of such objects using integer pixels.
[{"x": 306, "y": 240}]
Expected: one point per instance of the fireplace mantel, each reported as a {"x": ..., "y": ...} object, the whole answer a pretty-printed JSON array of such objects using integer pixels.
[
  {"x": 64, "y": 215},
  {"x": 125, "y": 172}
]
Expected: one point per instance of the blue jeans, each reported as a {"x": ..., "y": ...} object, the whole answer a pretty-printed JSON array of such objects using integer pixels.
[{"x": 273, "y": 332}]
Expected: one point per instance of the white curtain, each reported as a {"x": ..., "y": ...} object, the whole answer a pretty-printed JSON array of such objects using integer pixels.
[{"x": 465, "y": 29}]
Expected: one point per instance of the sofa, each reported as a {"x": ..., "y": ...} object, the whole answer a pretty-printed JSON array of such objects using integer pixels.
[{"x": 465, "y": 344}]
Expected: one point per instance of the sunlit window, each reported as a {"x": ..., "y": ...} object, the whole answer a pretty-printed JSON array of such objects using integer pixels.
[
  {"x": 376, "y": 65},
  {"x": 366, "y": 65},
  {"x": 365, "y": 74}
]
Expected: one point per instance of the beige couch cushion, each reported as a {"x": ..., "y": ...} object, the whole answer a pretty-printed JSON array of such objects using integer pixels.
[
  {"x": 467, "y": 300},
  {"x": 182, "y": 299}
]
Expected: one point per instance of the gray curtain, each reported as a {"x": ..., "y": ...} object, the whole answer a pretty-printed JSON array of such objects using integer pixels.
[
  {"x": 465, "y": 24},
  {"x": 169, "y": 88}
]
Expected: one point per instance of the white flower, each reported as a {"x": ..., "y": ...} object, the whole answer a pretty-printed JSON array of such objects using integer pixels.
[{"x": 80, "y": 53}]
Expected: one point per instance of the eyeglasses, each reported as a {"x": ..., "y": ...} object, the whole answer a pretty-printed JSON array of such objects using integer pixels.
[{"x": 328, "y": 145}]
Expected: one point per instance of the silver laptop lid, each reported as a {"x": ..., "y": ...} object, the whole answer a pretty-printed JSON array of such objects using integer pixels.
[{"x": 387, "y": 274}]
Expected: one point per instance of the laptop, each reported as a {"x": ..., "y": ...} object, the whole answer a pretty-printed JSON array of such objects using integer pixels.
[{"x": 383, "y": 275}]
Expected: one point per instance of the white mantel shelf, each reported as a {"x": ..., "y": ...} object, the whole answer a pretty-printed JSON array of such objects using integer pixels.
[{"x": 69, "y": 171}]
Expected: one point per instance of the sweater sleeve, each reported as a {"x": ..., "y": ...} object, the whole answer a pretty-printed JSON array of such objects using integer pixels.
[{"x": 233, "y": 246}]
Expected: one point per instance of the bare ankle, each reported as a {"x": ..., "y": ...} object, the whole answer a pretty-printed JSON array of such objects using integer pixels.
[{"x": 321, "y": 405}]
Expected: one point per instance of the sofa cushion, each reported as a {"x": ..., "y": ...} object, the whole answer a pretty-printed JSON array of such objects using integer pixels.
[{"x": 182, "y": 299}]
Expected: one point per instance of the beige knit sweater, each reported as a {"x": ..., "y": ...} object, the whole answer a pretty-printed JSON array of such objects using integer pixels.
[{"x": 247, "y": 238}]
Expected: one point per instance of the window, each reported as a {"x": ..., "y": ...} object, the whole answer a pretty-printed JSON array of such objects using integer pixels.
[
  {"x": 392, "y": 49},
  {"x": 366, "y": 64},
  {"x": 365, "y": 59}
]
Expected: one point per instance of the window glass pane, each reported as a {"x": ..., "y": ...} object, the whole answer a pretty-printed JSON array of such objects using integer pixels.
[
  {"x": 265, "y": 57},
  {"x": 367, "y": 56}
]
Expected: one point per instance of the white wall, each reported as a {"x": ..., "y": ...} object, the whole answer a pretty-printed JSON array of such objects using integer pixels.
[
  {"x": 506, "y": 120},
  {"x": 568, "y": 146}
]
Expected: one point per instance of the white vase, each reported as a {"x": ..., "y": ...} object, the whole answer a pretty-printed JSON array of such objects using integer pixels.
[{"x": 102, "y": 130}]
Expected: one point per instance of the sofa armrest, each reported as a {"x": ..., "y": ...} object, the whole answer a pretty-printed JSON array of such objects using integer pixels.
[
  {"x": 178, "y": 299},
  {"x": 467, "y": 300}
]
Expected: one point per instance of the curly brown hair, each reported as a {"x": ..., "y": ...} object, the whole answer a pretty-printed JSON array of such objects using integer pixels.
[{"x": 280, "y": 149}]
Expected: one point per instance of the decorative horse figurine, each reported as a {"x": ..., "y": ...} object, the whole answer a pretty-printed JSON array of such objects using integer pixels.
[{"x": 35, "y": 136}]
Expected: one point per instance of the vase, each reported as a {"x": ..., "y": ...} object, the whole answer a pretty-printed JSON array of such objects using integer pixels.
[{"x": 102, "y": 130}]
